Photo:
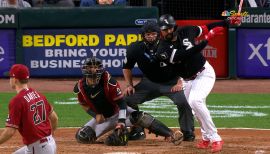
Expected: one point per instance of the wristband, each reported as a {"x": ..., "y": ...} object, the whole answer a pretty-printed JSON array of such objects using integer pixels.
[
  {"x": 91, "y": 113},
  {"x": 122, "y": 114}
]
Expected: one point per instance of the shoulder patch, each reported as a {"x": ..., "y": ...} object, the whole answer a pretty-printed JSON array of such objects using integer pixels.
[
  {"x": 118, "y": 91},
  {"x": 76, "y": 89}
]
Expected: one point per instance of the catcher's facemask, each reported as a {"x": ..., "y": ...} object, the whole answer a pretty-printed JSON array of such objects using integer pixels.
[{"x": 92, "y": 69}]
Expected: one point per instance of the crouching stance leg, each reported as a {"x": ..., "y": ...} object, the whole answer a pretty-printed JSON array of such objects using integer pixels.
[{"x": 155, "y": 126}]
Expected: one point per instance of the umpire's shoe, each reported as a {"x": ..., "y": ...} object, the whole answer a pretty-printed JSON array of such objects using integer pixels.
[
  {"x": 189, "y": 136},
  {"x": 137, "y": 133}
]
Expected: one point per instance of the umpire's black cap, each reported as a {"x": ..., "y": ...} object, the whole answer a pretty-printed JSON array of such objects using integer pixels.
[
  {"x": 150, "y": 26},
  {"x": 166, "y": 21}
]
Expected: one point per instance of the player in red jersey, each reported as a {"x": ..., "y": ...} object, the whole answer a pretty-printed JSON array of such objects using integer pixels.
[
  {"x": 100, "y": 95},
  {"x": 30, "y": 114}
]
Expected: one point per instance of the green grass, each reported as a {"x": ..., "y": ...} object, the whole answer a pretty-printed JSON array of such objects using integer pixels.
[
  {"x": 248, "y": 121},
  {"x": 228, "y": 110}
]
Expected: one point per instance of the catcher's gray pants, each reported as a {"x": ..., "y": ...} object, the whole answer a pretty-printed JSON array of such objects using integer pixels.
[
  {"x": 109, "y": 123},
  {"x": 147, "y": 90}
]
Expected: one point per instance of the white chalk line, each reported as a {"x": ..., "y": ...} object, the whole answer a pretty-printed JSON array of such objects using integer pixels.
[
  {"x": 217, "y": 111},
  {"x": 9, "y": 146},
  {"x": 214, "y": 113}
]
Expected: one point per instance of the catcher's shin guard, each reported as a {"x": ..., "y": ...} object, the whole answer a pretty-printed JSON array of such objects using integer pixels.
[{"x": 153, "y": 125}]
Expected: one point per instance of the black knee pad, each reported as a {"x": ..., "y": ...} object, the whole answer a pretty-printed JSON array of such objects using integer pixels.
[
  {"x": 141, "y": 119},
  {"x": 86, "y": 135}
]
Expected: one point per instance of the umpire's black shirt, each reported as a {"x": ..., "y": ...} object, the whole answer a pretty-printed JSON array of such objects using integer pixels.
[{"x": 157, "y": 72}]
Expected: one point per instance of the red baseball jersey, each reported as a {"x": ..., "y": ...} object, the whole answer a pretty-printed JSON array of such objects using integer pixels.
[
  {"x": 29, "y": 112},
  {"x": 105, "y": 105}
]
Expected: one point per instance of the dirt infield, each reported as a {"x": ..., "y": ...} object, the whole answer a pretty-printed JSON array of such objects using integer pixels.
[
  {"x": 236, "y": 141},
  {"x": 241, "y": 141}
]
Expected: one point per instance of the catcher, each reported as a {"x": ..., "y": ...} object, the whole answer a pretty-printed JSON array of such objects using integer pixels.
[{"x": 101, "y": 97}]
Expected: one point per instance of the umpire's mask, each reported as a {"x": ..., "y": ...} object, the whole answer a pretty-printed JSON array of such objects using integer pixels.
[
  {"x": 92, "y": 69},
  {"x": 150, "y": 33}
]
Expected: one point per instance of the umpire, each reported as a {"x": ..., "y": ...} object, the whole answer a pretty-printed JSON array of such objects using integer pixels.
[{"x": 158, "y": 80}]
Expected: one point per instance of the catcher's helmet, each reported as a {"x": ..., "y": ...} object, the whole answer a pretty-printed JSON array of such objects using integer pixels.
[
  {"x": 166, "y": 21},
  {"x": 93, "y": 70}
]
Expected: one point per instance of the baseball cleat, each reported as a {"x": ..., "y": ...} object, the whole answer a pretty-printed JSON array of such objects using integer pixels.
[
  {"x": 217, "y": 146},
  {"x": 203, "y": 144},
  {"x": 177, "y": 137}
]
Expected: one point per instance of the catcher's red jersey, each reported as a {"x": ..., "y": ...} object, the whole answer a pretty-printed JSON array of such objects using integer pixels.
[
  {"x": 28, "y": 112},
  {"x": 108, "y": 94}
]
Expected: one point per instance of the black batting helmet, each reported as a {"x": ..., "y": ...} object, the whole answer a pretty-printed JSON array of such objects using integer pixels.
[
  {"x": 93, "y": 69},
  {"x": 166, "y": 21}
]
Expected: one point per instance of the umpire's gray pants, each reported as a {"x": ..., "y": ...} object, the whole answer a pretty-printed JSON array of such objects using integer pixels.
[{"x": 146, "y": 90}]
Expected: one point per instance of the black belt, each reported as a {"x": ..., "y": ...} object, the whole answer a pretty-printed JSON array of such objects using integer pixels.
[{"x": 195, "y": 75}]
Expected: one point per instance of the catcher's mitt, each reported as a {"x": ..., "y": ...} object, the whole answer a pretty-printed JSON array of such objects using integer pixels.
[{"x": 119, "y": 137}]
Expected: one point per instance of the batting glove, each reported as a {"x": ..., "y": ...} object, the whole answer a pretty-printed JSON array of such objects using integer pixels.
[
  {"x": 235, "y": 20},
  {"x": 214, "y": 32}
]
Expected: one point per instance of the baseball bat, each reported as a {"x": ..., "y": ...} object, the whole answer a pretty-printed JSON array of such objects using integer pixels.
[{"x": 240, "y": 6}]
